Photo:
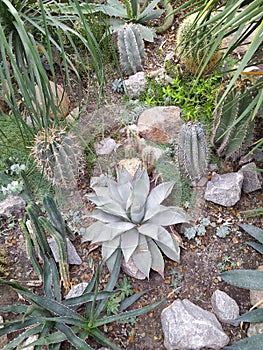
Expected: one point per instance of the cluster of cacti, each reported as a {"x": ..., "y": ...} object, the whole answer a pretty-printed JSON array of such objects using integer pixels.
[
  {"x": 192, "y": 151},
  {"x": 58, "y": 155},
  {"x": 231, "y": 134},
  {"x": 36, "y": 231},
  {"x": 191, "y": 54},
  {"x": 131, "y": 49}
]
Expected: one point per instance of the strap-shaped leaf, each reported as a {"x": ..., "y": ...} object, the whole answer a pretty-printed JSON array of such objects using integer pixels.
[
  {"x": 104, "y": 217},
  {"x": 248, "y": 279},
  {"x": 99, "y": 232},
  {"x": 168, "y": 245},
  {"x": 73, "y": 338},
  {"x": 142, "y": 256},
  {"x": 251, "y": 343},
  {"x": 25, "y": 335},
  {"x": 253, "y": 231},
  {"x": 169, "y": 216},
  {"x": 54, "y": 338},
  {"x": 149, "y": 12},
  {"x": 252, "y": 316},
  {"x": 129, "y": 242},
  {"x": 103, "y": 339},
  {"x": 148, "y": 229},
  {"x": 157, "y": 258},
  {"x": 257, "y": 246},
  {"x": 158, "y": 194},
  {"x": 109, "y": 247}
]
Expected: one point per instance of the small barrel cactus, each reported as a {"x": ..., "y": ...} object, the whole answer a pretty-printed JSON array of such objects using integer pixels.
[
  {"x": 231, "y": 135},
  {"x": 191, "y": 54},
  {"x": 192, "y": 151},
  {"x": 57, "y": 153},
  {"x": 131, "y": 49}
]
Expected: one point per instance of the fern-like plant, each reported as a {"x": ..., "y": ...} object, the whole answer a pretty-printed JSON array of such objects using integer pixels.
[
  {"x": 131, "y": 49},
  {"x": 233, "y": 125},
  {"x": 192, "y": 151},
  {"x": 57, "y": 153},
  {"x": 130, "y": 217}
]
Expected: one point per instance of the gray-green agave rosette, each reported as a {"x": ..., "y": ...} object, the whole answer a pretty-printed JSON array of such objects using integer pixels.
[{"x": 130, "y": 217}]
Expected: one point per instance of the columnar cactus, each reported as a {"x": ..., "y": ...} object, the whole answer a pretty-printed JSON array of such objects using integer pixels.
[
  {"x": 230, "y": 134},
  {"x": 192, "y": 151},
  {"x": 57, "y": 153},
  {"x": 131, "y": 49},
  {"x": 191, "y": 54}
]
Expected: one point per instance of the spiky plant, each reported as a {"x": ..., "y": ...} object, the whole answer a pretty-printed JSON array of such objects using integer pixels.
[
  {"x": 192, "y": 151},
  {"x": 130, "y": 217},
  {"x": 131, "y": 49},
  {"x": 191, "y": 54},
  {"x": 233, "y": 125},
  {"x": 117, "y": 86},
  {"x": 57, "y": 153}
]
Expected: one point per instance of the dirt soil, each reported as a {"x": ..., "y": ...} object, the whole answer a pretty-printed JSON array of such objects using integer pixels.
[{"x": 195, "y": 277}]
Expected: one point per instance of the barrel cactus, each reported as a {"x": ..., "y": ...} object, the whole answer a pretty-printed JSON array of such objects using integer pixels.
[
  {"x": 231, "y": 134},
  {"x": 192, "y": 151},
  {"x": 57, "y": 153},
  {"x": 192, "y": 55},
  {"x": 131, "y": 49},
  {"x": 132, "y": 219}
]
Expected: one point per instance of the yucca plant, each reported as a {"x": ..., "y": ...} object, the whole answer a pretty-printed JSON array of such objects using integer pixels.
[
  {"x": 56, "y": 320},
  {"x": 130, "y": 217},
  {"x": 58, "y": 155},
  {"x": 35, "y": 37},
  {"x": 249, "y": 279}
]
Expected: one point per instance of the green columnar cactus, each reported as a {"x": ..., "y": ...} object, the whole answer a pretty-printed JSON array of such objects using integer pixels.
[
  {"x": 192, "y": 151},
  {"x": 192, "y": 55},
  {"x": 131, "y": 49},
  {"x": 230, "y": 133},
  {"x": 58, "y": 155}
]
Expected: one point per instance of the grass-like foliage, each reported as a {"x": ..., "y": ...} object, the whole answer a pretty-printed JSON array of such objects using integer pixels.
[
  {"x": 56, "y": 320},
  {"x": 130, "y": 217}
]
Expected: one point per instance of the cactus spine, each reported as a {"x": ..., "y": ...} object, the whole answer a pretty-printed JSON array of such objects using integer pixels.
[
  {"x": 191, "y": 54},
  {"x": 58, "y": 155},
  {"x": 192, "y": 151},
  {"x": 131, "y": 49},
  {"x": 231, "y": 135}
]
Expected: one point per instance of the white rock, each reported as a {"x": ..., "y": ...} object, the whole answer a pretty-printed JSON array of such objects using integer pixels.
[
  {"x": 73, "y": 257},
  {"x": 225, "y": 307},
  {"x": 77, "y": 290}
]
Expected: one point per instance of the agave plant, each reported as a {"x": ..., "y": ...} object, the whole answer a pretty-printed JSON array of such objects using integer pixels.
[
  {"x": 130, "y": 217},
  {"x": 249, "y": 279}
]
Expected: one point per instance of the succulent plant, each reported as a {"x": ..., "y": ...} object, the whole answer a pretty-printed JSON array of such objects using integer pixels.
[
  {"x": 130, "y": 217},
  {"x": 192, "y": 151},
  {"x": 231, "y": 134},
  {"x": 57, "y": 153},
  {"x": 131, "y": 49},
  {"x": 191, "y": 54},
  {"x": 117, "y": 86}
]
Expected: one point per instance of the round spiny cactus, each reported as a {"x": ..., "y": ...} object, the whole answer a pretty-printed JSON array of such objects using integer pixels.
[
  {"x": 191, "y": 54},
  {"x": 57, "y": 153}
]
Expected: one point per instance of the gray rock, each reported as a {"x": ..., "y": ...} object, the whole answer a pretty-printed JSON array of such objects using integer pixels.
[
  {"x": 77, "y": 290},
  {"x": 106, "y": 146},
  {"x": 254, "y": 329},
  {"x": 135, "y": 85},
  {"x": 252, "y": 178},
  {"x": 224, "y": 189},
  {"x": 13, "y": 205},
  {"x": 73, "y": 257},
  {"x": 160, "y": 124},
  {"x": 225, "y": 307},
  {"x": 186, "y": 326}
]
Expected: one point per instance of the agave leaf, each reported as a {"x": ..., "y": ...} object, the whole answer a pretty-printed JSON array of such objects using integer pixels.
[
  {"x": 104, "y": 217},
  {"x": 129, "y": 242},
  {"x": 251, "y": 343},
  {"x": 252, "y": 316},
  {"x": 149, "y": 12},
  {"x": 148, "y": 33},
  {"x": 142, "y": 257},
  {"x": 17, "y": 341},
  {"x": 124, "y": 191},
  {"x": 257, "y": 246},
  {"x": 248, "y": 279},
  {"x": 109, "y": 247},
  {"x": 169, "y": 216},
  {"x": 111, "y": 262},
  {"x": 98, "y": 200},
  {"x": 54, "y": 338},
  {"x": 139, "y": 194},
  {"x": 93, "y": 231},
  {"x": 123, "y": 176},
  {"x": 114, "y": 191},
  {"x": 253, "y": 231},
  {"x": 129, "y": 301},
  {"x": 168, "y": 245},
  {"x": 157, "y": 258},
  {"x": 114, "y": 208},
  {"x": 159, "y": 193},
  {"x": 149, "y": 229}
]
